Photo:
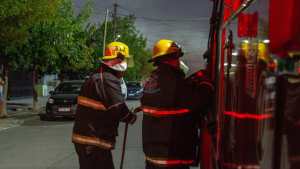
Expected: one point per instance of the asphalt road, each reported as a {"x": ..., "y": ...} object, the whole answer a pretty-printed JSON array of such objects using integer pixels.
[{"x": 47, "y": 145}]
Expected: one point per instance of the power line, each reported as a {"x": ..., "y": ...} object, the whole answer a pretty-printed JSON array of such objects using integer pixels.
[
  {"x": 173, "y": 20},
  {"x": 126, "y": 9},
  {"x": 162, "y": 23},
  {"x": 131, "y": 12},
  {"x": 166, "y": 20}
]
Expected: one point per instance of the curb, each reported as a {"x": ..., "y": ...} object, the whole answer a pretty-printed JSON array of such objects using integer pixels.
[
  {"x": 17, "y": 118},
  {"x": 17, "y": 104},
  {"x": 10, "y": 123},
  {"x": 25, "y": 112}
]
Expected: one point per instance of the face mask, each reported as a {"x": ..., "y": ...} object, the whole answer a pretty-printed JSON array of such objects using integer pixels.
[
  {"x": 184, "y": 67},
  {"x": 121, "y": 67}
]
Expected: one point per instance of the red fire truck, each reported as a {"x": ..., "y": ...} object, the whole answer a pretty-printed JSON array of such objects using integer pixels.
[{"x": 254, "y": 60}]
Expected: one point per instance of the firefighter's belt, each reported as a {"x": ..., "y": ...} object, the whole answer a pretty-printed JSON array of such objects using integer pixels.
[
  {"x": 160, "y": 112},
  {"x": 80, "y": 139},
  {"x": 91, "y": 103},
  {"x": 168, "y": 162}
]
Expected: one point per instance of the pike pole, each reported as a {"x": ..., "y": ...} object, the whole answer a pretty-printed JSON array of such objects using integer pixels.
[{"x": 124, "y": 146}]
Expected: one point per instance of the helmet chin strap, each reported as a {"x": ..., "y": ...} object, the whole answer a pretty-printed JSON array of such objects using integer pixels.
[{"x": 119, "y": 66}]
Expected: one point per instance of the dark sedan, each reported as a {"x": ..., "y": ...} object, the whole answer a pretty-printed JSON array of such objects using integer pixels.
[
  {"x": 134, "y": 90},
  {"x": 63, "y": 100}
]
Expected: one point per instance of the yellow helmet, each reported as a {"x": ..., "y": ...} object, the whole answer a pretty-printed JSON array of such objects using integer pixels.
[
  {"x": 114, "y": 48},
  {"x": 263, "y": 53},
  {"x": 164, "y": 47}
]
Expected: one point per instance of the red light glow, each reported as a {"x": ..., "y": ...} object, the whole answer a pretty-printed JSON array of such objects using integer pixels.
[{"x": 239, "y": 115}]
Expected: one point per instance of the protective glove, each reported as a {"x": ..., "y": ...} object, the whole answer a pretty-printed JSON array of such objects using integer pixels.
[
  {"x": 132, "y": 119},
  {"x": 137, "y": 109}
]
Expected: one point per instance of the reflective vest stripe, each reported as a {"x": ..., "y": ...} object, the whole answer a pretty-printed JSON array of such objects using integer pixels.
[
  {"x": 163, "y": 112},
  {"x": 80, "y": 139},
  {"x": 169, "y": 162},
  {"x": 87, "y": 102},
  {"x": 248, "y": 116}
]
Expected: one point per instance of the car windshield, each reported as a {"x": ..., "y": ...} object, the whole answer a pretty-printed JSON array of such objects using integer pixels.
[{"x": 68, "y": 88}]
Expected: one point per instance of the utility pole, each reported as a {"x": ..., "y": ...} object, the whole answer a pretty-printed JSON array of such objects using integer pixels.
[
  {"x": 115, "y": 19},
  {"x": 105, "y": 31}
]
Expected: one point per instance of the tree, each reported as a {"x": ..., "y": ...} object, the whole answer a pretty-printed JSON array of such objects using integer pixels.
[
  {"x": 45, "y": 36},
  {"x": 55, "y": 44},
  {"x": 16, "y": 17}
]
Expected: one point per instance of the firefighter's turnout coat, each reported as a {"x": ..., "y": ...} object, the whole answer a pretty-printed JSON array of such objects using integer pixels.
[
  {"x": 171, "y": 108},
  {"x": 100, "y": 108}
]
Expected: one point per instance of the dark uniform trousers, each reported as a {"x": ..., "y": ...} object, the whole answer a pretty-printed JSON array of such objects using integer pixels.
[
  {"x": 92, "y": 157},
  {"x": 152, "y": 166}
]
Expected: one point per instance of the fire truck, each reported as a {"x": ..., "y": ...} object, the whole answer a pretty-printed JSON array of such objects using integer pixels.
[{"x": 254, "y": 61}]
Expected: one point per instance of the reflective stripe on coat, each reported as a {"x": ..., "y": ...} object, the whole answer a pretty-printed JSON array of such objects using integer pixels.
[
  {"x": 101, "y": 143},
  {"x": 168, "y": 162},
  {"x": 91, "y": 103},
  {"x": 161, "y": 112}
]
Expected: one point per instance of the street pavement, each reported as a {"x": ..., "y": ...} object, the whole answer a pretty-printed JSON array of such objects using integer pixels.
[
  {"x": 20, "y": 109},
  {"x": 36, "y": 144},
  {"x": 39, "y": 144}
]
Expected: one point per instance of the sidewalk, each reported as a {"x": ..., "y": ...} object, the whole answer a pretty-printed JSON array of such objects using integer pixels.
[
  {"x": 24, "y": 104},
  {"x": 20, "y": 109}
]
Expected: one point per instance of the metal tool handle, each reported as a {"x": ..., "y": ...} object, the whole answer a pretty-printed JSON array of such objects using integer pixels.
[{"x": 124, "y": 146}]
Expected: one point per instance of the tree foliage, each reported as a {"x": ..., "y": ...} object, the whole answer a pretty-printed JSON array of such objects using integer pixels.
[
  {"x": 55, "y": 44},
  {"x": 17, "y": 16},
  {"x": 47, "y": 36}
]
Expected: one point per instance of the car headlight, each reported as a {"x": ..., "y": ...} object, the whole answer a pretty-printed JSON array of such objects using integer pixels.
[{"x": 50, "y": 101}]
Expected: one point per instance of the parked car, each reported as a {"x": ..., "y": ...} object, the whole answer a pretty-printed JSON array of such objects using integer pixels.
[
  {"x": 134, "y": 90},
  {"x": 63, "y": 100}
]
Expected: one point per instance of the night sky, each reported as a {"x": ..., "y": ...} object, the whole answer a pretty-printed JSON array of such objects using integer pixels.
[{"x": 185, "y": 21}]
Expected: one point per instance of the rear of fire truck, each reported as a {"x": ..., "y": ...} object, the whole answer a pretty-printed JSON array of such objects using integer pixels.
[{"x": 255, "y": 64}]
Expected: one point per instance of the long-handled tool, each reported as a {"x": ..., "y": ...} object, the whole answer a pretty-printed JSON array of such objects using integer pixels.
[
  {"x": 136, "y": 110},
  {"x": 124, "y": 146}
]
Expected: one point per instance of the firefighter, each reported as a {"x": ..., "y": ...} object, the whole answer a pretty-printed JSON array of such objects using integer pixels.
[
  {"x": 101, "y": 107},
  {"x": 171, "y": 106}
]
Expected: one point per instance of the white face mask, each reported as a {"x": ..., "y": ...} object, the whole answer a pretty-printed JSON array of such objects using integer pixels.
[
  {"x": 121, "y": 67},
  {"x": 184, "y": 67}
]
